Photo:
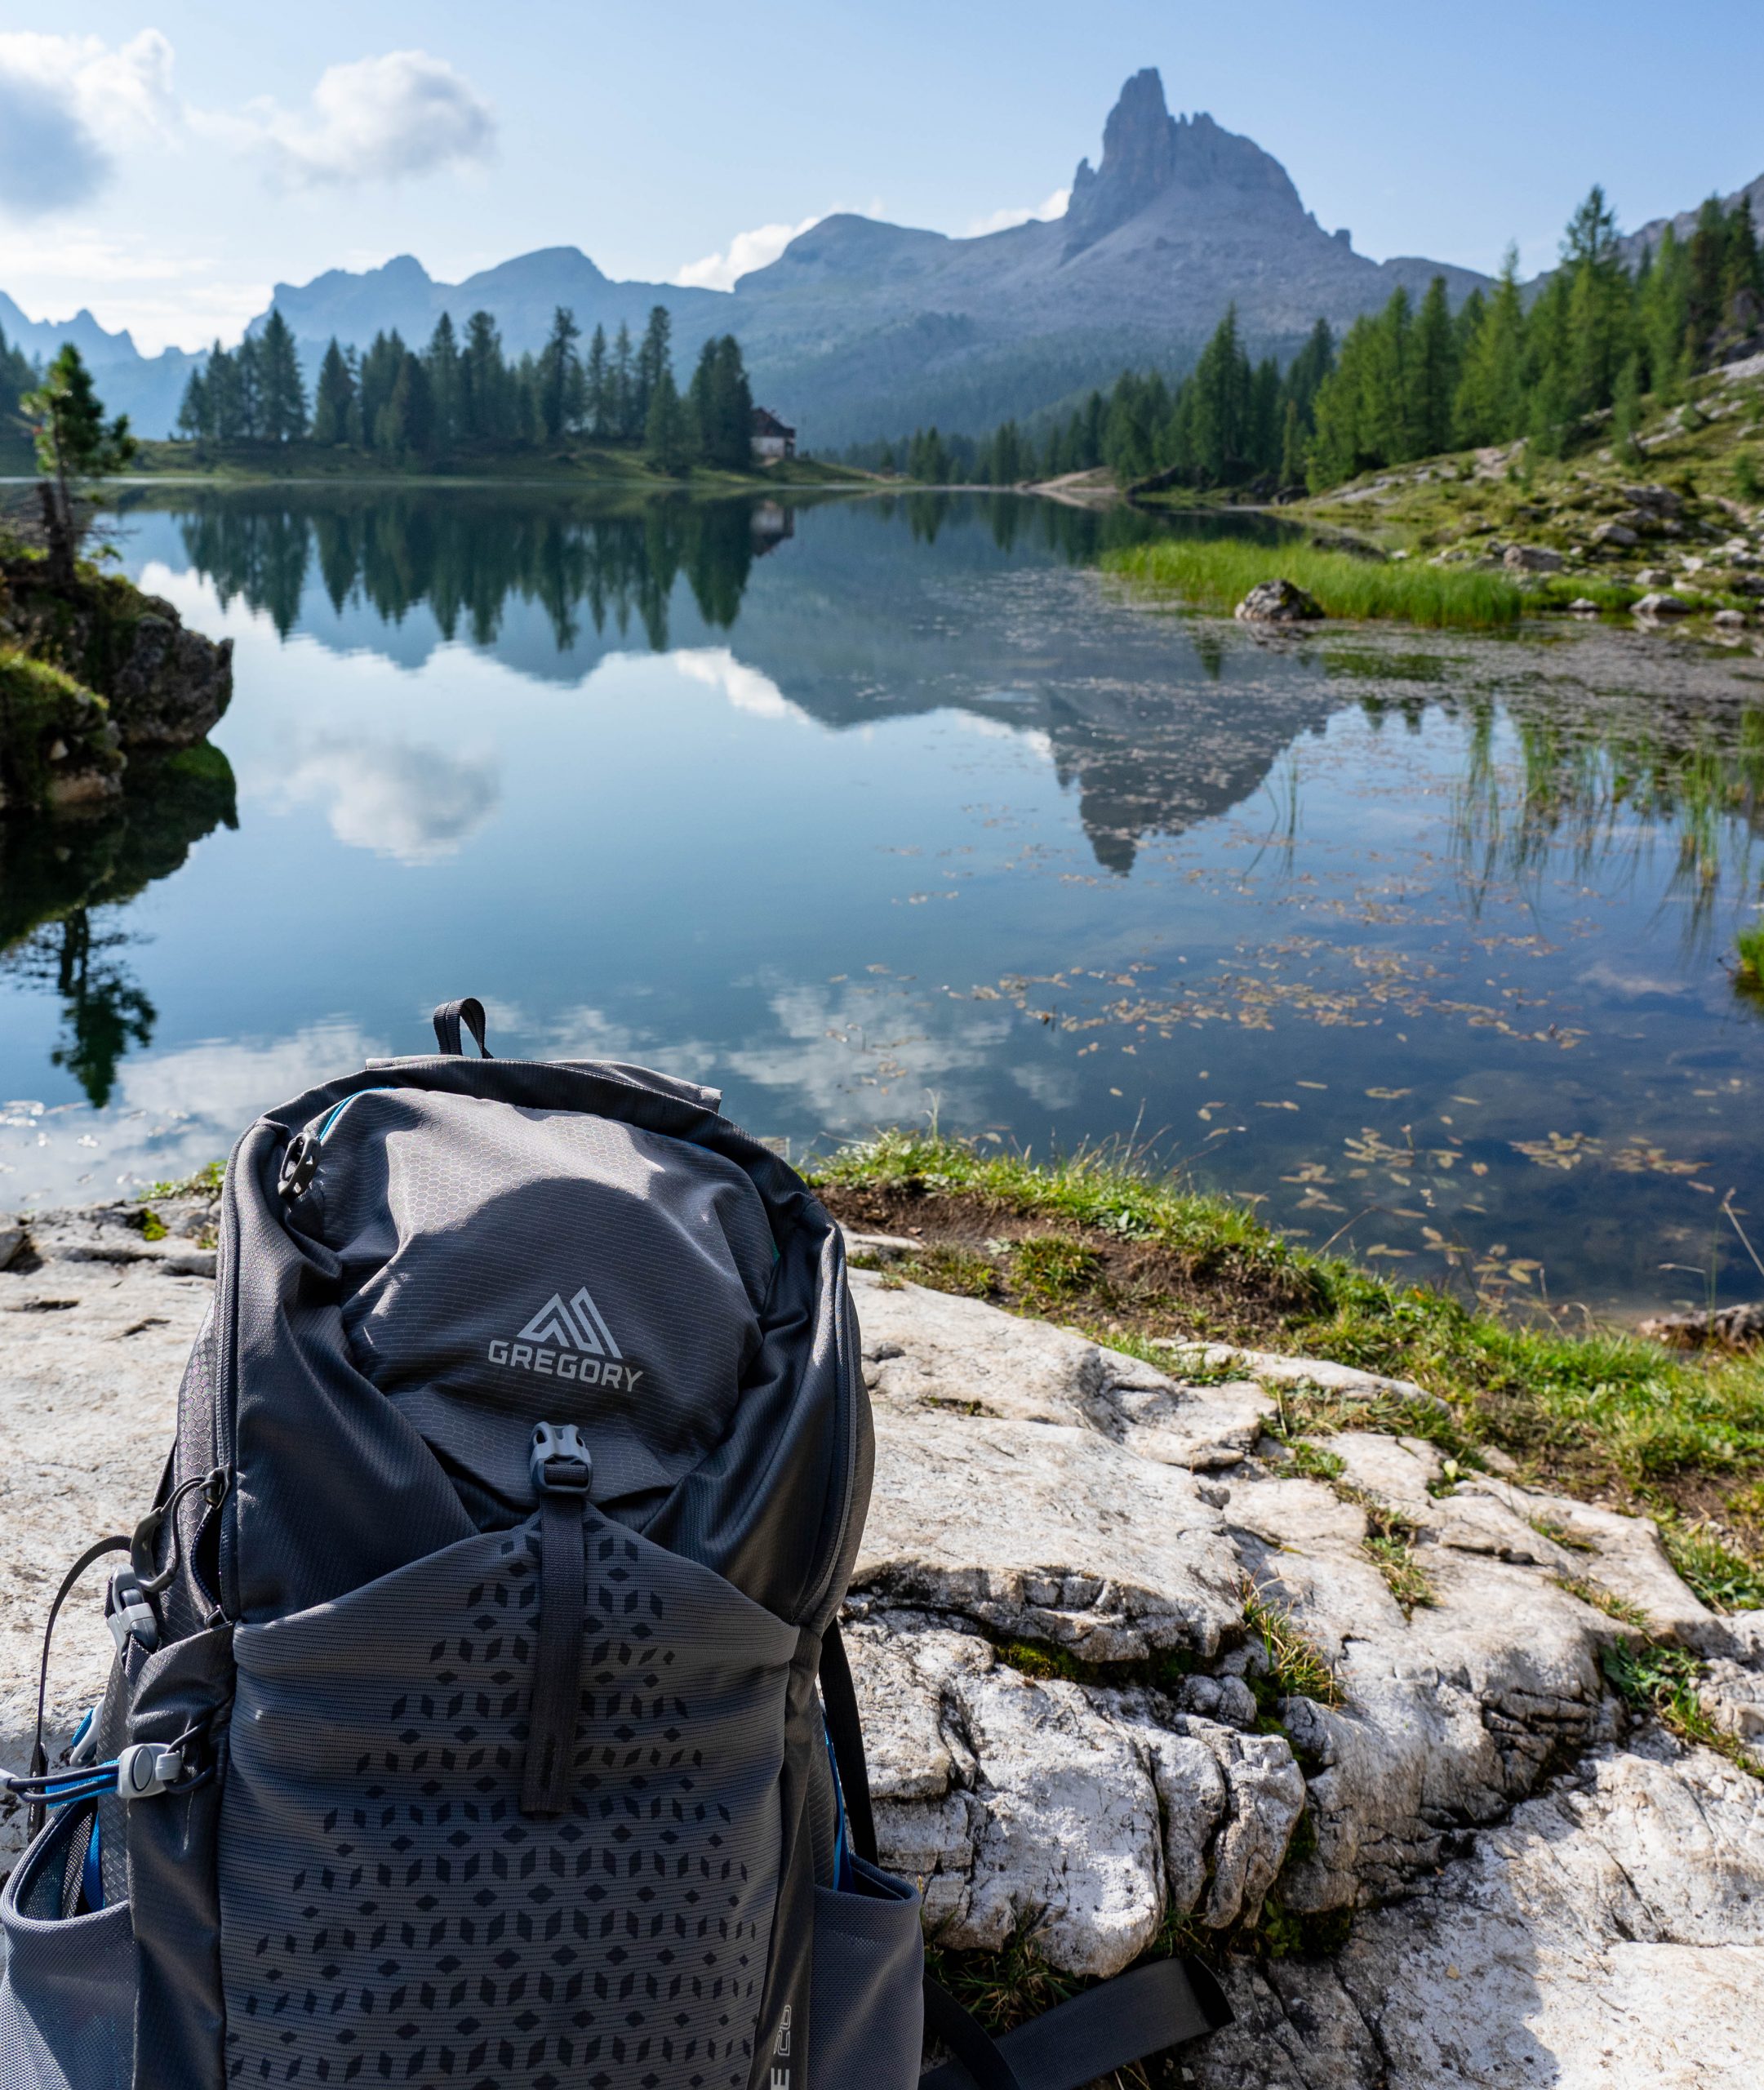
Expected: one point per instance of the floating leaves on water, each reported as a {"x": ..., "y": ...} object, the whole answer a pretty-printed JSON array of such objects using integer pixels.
[
  {"x": 1557, "y": 1150},
  {"x": 1566, "y": 1150},
  {"x": 1638, "y": 1158}
]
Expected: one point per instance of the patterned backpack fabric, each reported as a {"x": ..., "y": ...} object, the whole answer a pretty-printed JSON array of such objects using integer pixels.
[{"x": 478, "y": 1717}]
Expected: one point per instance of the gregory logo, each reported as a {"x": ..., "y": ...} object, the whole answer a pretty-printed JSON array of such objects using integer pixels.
[{"x": 568, "y": 1340}]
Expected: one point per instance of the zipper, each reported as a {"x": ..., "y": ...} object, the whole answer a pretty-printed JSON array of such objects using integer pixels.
[{"x": 226, "y": 1394}]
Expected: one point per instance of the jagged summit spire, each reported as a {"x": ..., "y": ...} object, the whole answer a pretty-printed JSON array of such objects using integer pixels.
[{"x": 1147, "y": 151}]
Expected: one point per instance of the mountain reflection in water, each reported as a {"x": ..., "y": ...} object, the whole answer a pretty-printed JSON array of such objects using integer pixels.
[{"x": 870, "y": 807}]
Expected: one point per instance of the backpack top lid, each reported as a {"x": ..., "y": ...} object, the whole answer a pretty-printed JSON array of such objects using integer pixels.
[
  {"x": 500, "y": 1266},
  {"x": 421, "y": 1261}
]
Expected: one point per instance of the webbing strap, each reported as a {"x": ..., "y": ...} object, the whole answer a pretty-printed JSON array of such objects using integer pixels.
[
  {"x": 1110, "y": 2026},
  {"x": 447, "y": 1019},
  {"x": 845, "y": 1730},
  {"x": 978, "y": 2059},
  {"x": 546, "y": 1777}
]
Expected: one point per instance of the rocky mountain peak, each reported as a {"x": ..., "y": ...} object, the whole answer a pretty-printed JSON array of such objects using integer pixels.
[{"x": 1147, "y": 153}]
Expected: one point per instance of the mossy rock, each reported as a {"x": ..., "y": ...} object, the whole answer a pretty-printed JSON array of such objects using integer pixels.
[
  {"x": 59, "y": 747},
  {"x": 167, "y": 687}
]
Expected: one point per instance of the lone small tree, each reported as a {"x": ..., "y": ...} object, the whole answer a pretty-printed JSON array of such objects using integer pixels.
[{"x": 73, "y": 442}]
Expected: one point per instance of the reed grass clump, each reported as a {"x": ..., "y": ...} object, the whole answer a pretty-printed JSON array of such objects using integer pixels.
[{"x": 1218, "y": 575}]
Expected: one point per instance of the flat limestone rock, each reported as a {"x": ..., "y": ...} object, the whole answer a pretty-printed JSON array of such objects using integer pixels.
[
  {"x": 1071, "y": 1726},
  {"x": 1048, "y": 1532},
  {"x": 1607, "y": 1936}
]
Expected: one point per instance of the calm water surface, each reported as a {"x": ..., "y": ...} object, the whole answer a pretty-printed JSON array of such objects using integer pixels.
[{"x": 873, "y": 810}]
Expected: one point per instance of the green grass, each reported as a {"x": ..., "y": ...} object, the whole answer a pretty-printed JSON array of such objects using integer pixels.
[
  {"x": 1725, "y": 1579},
  {"x": 1391, "y": 1555},
  {"x": 205, "y": 1183},
  {"x": 1749, "y": 943},
  {"x": 1593, "y": 1412},
  {"x": 1601, "y": 1598},
  {"x": 1053, "y": 1267},
  {"x": 1218, "y": 575},
  {"x": 1663, "y": 1681},
  {"x": 1297, "y": 1667}
]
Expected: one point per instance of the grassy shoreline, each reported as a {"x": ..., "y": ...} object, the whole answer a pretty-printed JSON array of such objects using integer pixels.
[
  {"x": 585, "y": 465},
  {"x": 1135, "y": 1259}
]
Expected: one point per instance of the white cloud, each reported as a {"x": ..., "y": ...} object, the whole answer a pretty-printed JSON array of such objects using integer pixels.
[
  {"x": 379, "y": 119},
  {"x": 746, "y": 252},
  {"x": 64, "y": 102},
  {"x": 223, "y": 1084},
  {"x": 746, "y": 688},
  {"x": 1003, "y": 220},
  {"x": 398, "y": 799}
]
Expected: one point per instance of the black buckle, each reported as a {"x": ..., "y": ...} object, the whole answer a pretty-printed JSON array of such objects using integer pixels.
[
  {"x": 299, "y": 1165},
  {"x": 560, "y": 1463}
]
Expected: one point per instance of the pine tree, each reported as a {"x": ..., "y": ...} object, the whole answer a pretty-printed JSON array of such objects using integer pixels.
[
  {"x": 379, "y": 373},
  {"x": 1432, "y": 374},
  {"x": 560, "y": 376},
  {"x": 1491, "y": 402},
  {"x": 1292, "y": 447},
  {"x": 666, "y": 434},
  {"x": 446, "y": 383},
  {"x": 404, "y": 426},
  {"x": 74, "y": 441},
  {"x": 1663, "y": 318},
  {"x": 594, "y": 400},
  {"x": 281, "y": 392},
  {"x": 193, "y": 409},
  {"x": 484, "y": 400},
  {"x": 334, "y": 400},
  {"x": 1221, "y": 425},
  {"x": 653, "y": 357},
  {"x": 621, "y": 389}
]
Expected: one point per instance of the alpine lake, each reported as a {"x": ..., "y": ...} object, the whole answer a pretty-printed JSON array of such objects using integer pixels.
[{"x": 888, "y": 808}]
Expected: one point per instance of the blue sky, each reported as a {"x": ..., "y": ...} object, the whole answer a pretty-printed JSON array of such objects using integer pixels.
[{"x": 166, "y": 164}]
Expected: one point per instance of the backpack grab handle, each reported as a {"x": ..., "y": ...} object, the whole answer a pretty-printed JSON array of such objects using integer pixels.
[{"x": 447, "y": 1019}]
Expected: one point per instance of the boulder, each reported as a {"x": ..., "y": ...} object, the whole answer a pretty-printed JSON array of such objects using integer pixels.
[
  {"x": 1658, "y": 605},
  {"x": 1582, "y": 606},
  {"x": 1619, "y": 534},
  {"x": 1731, "y": 619},
  {"x": 165, "y": 686},
  {"x": 1076, "y": 1729},
  {"x": 1661, "y": 500},
  {"x": 1532, "y": 558},
  {"x": 1723, "y": 1327},
  {"x": 1278, "y": 601}
]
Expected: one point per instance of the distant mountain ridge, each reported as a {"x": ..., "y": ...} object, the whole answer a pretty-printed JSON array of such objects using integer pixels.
[
  {"x": 862, "y": 328},
  {"x": 145, "y": 388}
]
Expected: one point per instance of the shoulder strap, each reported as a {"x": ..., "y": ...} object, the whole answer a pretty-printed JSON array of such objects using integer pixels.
[
  {"x": 1110, "y": 2026},
  {"x": 447, "y": 1019}
]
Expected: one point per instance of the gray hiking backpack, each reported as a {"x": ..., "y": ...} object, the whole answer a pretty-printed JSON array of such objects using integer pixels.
[{"x": 479, "y": 1717}]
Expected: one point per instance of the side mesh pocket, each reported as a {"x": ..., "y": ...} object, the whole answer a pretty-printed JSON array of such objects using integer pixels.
[
  {"x": 67, "y": 1995},
  {"x": 866, "y": 1993}
]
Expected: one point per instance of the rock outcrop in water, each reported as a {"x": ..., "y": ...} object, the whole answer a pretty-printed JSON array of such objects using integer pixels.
[
  {"x": 88, "y": 673},
  {"x": 1131, "y": 1671}
]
